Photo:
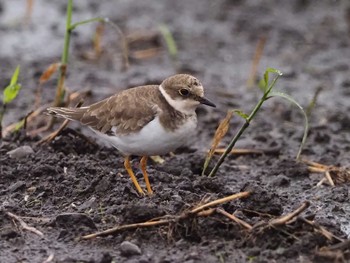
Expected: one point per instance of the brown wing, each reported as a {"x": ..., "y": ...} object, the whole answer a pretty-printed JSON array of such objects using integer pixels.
[{"x": 129, "y": 111}]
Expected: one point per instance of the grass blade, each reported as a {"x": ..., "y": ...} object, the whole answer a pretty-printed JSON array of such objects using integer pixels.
[
  {"x": 306, "y": 121},
  {"x": 169, "y": 40}
]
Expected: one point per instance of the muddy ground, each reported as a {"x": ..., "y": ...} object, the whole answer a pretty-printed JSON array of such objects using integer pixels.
[{"x": 72, "y": 187}]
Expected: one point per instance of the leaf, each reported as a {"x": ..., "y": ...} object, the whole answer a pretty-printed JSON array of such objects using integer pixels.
[
  {"x": 273, "y": 70},
  {"x": 15, "y": 75},
  {"x": 306, "y": 124},
  {"x": 219, "y": 134},
  {"x": 262, "y": 85},
  {"x": 264, "y": 82},
  {"x": 242, "y": 114},
  {"x": 11, "y": 91},
  {"x": 49, "y": 71}
]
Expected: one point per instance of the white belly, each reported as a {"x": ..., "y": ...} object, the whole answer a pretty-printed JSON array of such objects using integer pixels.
[{"x": 153, "y": 139}]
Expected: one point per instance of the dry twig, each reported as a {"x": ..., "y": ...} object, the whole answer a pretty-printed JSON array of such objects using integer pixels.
[
  {"x": 334, "y": 175},
  {"x": 127, "y": 227},
  {"x": 29, "y": 11},
  {"x": 321, "y": 229},
  {"x": 24, "y": 224},
  {"x": 234, "y": 218},
  {"x": 33, "y": 116},
  {"x": 220, "y": 201},
  {"x": 238, "y": 151},
  {"x": 198, "y": 211},
  {"x": 54, "y": 134},
  {"x": 344, "y": 245},
  {"x": 145, "y": 53},
  {"x": 284, "y": 219},
  {"x": 257, "y": 56}
]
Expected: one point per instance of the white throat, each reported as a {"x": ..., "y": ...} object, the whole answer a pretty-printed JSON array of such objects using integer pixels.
[{"x": 187, "y": 107}]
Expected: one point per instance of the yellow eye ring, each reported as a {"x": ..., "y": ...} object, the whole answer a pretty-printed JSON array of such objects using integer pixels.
[{"x": 184, "y": 92}]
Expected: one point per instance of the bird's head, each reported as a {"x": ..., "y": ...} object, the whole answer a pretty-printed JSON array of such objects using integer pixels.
[{"x": 184, "y": 93}]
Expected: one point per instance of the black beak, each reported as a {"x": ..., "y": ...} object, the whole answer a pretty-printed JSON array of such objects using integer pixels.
[{"x": 205, "y": 101}]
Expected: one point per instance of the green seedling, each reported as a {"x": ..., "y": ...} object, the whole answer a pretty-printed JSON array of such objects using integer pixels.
[
  {"x": 60, "y": 89},
  {"x": 9, "y": 94},
  {"x": 266, "y": 86},
  {"x": 169, "y": 41},
  {"x": 12, "y": 90}
]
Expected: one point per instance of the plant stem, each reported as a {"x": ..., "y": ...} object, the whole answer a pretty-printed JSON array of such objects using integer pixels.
[
  {"x": 2, "y": 113},
  {"x": 64, "y": 59},
  {"x": 60, "y": 89},
  {"x": 99, "y": 19},
  {"x": 65, "y": 53},
  {"x": 243, "y": 128}
]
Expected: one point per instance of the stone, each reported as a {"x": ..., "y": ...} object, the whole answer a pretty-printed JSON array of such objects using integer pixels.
[
  {"x": 128, "y": 249},
  {"x": 20, "y": 152}
]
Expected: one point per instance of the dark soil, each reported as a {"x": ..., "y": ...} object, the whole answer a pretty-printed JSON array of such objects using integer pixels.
[{"x": 72, "y": 187}]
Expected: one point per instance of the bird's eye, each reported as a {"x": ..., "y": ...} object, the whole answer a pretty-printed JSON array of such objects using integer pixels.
[{"x": 184, "y": 92}]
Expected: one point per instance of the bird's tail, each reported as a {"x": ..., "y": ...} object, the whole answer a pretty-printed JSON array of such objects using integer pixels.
[{"x": 73, "y": 114}]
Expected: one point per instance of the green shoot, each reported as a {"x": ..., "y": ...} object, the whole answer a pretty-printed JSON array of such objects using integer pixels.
[
  {"x": 11, "y": 91},
  {"x": 60, "y": 89},
  {"x": 266, "y": 86},
  {"x": 9, "y": 94},
  {"x": 169, "y": 41}
]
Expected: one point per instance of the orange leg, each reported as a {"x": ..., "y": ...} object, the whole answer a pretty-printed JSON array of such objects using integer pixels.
[
  {"x": 145, "y": 175},
  {"x": 131, "y": 173}
]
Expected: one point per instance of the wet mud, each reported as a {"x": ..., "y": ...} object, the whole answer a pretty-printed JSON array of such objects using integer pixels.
[{"x": 73, "y": 187}]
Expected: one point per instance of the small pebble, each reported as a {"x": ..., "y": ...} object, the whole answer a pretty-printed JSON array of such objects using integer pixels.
[
  {"x": 20, "y": 152},
  {"x": 128, "y": 249}
]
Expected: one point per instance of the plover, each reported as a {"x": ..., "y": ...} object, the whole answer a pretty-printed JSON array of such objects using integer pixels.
[{"x": 144, "y": 121}]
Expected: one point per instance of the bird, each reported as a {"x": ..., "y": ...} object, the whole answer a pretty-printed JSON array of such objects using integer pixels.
[{"x": 145, "y": 120}]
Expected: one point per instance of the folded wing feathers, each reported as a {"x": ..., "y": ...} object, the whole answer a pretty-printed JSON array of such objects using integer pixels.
[
  {"x": 120, "y": 111},
  {"x": 73, "y": 114}
]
